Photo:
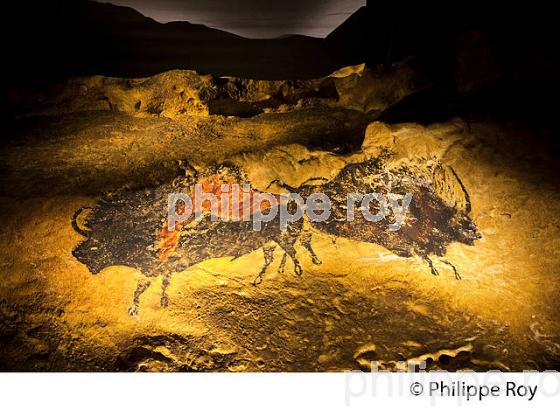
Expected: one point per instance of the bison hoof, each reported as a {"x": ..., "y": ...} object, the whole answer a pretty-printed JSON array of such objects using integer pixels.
[
  {"x": 164, "y": 301},
  {"x": 298, "y": 270},
  {"x": 133, "y": 310},
  {"x": 316, "y": 260}
]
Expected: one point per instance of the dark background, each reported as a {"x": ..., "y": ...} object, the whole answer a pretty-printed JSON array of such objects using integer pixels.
[
  {"x": 493, "y": 57},
  {"x": 252, "y": 18}
]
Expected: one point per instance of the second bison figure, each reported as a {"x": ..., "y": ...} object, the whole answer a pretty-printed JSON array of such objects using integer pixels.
[
  {"x": 130, "y": 228},
  {"x": 438, "y": 214}
]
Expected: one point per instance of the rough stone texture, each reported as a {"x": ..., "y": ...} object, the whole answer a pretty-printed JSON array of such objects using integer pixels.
[
  {"x": 362, "y": 303},
  {"x": 179, "y": 93}
]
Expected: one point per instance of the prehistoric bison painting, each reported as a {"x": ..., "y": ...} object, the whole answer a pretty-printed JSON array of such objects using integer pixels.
[{"x": 130, "y": 227}]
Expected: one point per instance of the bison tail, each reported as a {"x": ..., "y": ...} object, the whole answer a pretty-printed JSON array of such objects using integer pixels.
[{"x": 76, "y": 226}]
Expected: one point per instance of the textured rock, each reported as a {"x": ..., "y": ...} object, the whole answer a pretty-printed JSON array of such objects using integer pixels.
[
  {"x": 180, "y": 93},
  {"x": 134, "y": 131},
  {"x": 90, "y": 137}
]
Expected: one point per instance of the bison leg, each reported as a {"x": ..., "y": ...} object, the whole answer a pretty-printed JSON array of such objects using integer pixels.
[
  {"x": 268, "y": 259},
  {"x": 141, "y": 287},
  {"x": 291, "y": 252},
  {"x": 286, "y": 242},
  {"x": 282, "y": 265},
  {"x": 457, "y": 276},
  {"x": 305, "y": 241},
  {"x": 431, "y": 265},
  {"x": 164, "y": 301}
]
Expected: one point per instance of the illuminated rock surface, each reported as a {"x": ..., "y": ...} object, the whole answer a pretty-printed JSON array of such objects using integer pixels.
[{"x": 362, "y": 303}]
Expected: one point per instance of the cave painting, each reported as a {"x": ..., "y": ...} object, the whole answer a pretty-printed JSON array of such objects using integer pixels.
[{"x": 131, "y": 227}]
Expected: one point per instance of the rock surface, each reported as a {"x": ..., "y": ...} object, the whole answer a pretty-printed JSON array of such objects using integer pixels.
[
  {"x": 180, "y": 93},
  {"x": 362, "y": 303}
]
